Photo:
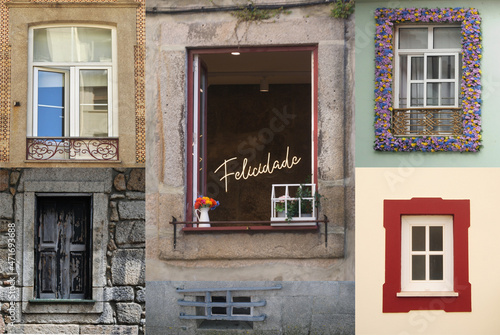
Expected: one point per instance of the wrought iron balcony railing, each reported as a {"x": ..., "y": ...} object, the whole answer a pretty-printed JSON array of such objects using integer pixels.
[
  {"x": 427, "y": 122},
  {"x": 72, "y": 148}
]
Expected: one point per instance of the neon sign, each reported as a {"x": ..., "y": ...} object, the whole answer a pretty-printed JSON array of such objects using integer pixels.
[{"x": 248, "y": 171}]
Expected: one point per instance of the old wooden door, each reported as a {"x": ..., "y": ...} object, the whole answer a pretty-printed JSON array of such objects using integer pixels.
[{"x": 63, "y": 239}]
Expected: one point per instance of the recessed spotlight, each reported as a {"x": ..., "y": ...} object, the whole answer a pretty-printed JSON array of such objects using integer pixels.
[{"x": 235, "y": 53}]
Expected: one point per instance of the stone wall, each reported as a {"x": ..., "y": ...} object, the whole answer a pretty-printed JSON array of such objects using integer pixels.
[
  {"x": 119, "y": 290},
  {"x": 307, "y": 307}
]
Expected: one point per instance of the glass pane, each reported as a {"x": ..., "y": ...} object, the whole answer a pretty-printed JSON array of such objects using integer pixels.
[
  {"x": 417, "y": 68},
  {"x": 436, "y": 267},
  {"x": 447, "y": 67},
  {"x": 52, "y": 44},
  {"x": 447, "y": 37},
  {"x": 403, "y": 70},
  {"x": 92, "y": 44},
  {"x": 413, "y": 38},
  {"x": 433, "y": 94},
  {"x": 417, "y": 95},
  {"x": 447, "y": 94},
  {"x": 418, "y": 238},
  {"x": 50, "y": 104},
  {"x": 93, "y": 103},
  {"x": 72, "y": 44},
  {"x": 433, "y": 67},
  {"x": 436, "y": 238},
  {"x": 418, "y": 267}
]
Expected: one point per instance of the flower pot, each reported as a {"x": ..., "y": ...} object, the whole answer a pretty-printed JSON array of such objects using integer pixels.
[
  {"x": 202, "y": 215},
  {"x": 280, "y": 214}
]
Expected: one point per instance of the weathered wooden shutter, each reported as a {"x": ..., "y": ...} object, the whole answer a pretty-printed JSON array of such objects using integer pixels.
[{"x": 63, "y": 248}]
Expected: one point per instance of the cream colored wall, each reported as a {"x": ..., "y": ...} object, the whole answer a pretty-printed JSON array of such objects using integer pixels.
[
  {"x": 480, "y": 185},
  {"x": 120, "y": 15}
]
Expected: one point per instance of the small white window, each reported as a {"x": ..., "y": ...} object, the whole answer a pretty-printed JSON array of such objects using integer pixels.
[
  {"x": 71, "y": 75},
  {"x": 426, "y": 255}
]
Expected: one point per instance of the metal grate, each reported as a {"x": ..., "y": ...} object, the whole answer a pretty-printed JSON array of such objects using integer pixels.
[
  {"x": 233, "y": 308},
  {"x": 75, "y": 148},
  {"x": 427, "y": 122}
]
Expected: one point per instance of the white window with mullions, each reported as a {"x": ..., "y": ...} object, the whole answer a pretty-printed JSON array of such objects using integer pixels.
[
  {"x": 427, "y": 255},
  {"x": 428, "y": 74},
  {"x": 428, "y": 66},
  {"x": 72, "y": 80}
]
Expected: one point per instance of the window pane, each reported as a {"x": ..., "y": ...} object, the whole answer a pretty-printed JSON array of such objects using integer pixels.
[
  {"x": 433, "y": 94},
  {"x": 403, "y": 70},
  {"x": 436, "y": 238},
  {"x": 418, "y": 239},
  {"x": 433, "y": 67},
  {"x": 50, "y": 104},
  {"x": 436, "y": 267},
  {"x": 93, "y": 103},
  {"x": 418, "y": 267},
  {"x": 447, "y": 67},
  {"x": 417, "y": 95},
  {"x": 447, "y": 37},
  {"x": 413, "y": 38},
  {"x": 72, "y": 44},
  {"x": 417, "y": 68},
  {"x": 92, "y": 44},
  {"x": 447, "y": 94},
  {"x": 52, "y": 44}
]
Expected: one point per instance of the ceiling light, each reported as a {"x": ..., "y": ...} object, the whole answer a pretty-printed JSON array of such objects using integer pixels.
[{"x": 235, "y": 53}]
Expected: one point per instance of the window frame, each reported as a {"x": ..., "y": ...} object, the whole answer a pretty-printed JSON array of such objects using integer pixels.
[
  {"x": 411, "y": 287},
  {"x": 194, "y": 103},
  {"x": 470, "y": 83},
  {"x": 72, "y": 95},
  {"x": 393, "y": 300}
]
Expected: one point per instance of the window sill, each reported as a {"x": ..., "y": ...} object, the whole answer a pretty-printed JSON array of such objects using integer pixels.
[
  {"x": 294, "y": 227},
  {"x": 427, "y": 294},
  {"x": 61, "y": 301}
]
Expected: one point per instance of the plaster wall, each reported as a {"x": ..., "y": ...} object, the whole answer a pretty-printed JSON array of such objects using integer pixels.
[
  {"x": 168, "y": 39},
  {"x": 120, "y": 15},
  {"x": 373, "y": 185},
  {"x": 365, "y": 85}
]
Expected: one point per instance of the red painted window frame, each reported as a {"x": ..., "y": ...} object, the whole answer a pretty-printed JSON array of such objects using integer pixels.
[
  {"x": 393, "y": 210},
  {"x": 190, "y": 105}
]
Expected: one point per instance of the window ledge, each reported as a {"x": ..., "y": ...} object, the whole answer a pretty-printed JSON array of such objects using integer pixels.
[
  {"x": 427, "y": 294},
  {"x": 61, "y": 301},
  {"x": 294, "y": 227}
]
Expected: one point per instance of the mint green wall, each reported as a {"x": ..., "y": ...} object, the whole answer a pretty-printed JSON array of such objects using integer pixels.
[{"x": 489, "y": 155}]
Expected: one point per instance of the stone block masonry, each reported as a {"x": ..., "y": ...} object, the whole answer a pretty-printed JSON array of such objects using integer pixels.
[{"x": 119, "y": 295}]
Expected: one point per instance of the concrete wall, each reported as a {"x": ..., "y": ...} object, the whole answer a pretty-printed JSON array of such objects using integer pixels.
[
  {"x": 324, "y": 307},
  {"x": 118, "y": 266},
  {"x": 477, "y": 184},
  {"x": 269, "y": 255}
]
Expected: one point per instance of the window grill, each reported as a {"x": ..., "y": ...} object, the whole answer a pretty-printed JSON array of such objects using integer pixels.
[
  {"x": 225, "y": 306},
  {"x": 427, "y": 122},
  {"x": 75, "y": 148}
]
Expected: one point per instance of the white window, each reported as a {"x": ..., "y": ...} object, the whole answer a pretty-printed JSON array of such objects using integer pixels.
[
  {"x": 428, "y": 73},
  {"x": 426, "y": 255},
  {"x": 71, "y": 75}
]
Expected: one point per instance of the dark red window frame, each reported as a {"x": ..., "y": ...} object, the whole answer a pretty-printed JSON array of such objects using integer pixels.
[
  {"x": 393, "y": 210},
  {"x": 190, "y": 104}
]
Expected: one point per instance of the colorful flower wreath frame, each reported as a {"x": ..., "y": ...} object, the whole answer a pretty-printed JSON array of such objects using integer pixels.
[{"x": 470, "y": 139}]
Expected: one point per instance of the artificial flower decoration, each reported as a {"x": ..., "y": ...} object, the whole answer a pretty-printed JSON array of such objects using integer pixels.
[
  {"x": 470, "y": 139},
  {"x": 205, "y": 202}
]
